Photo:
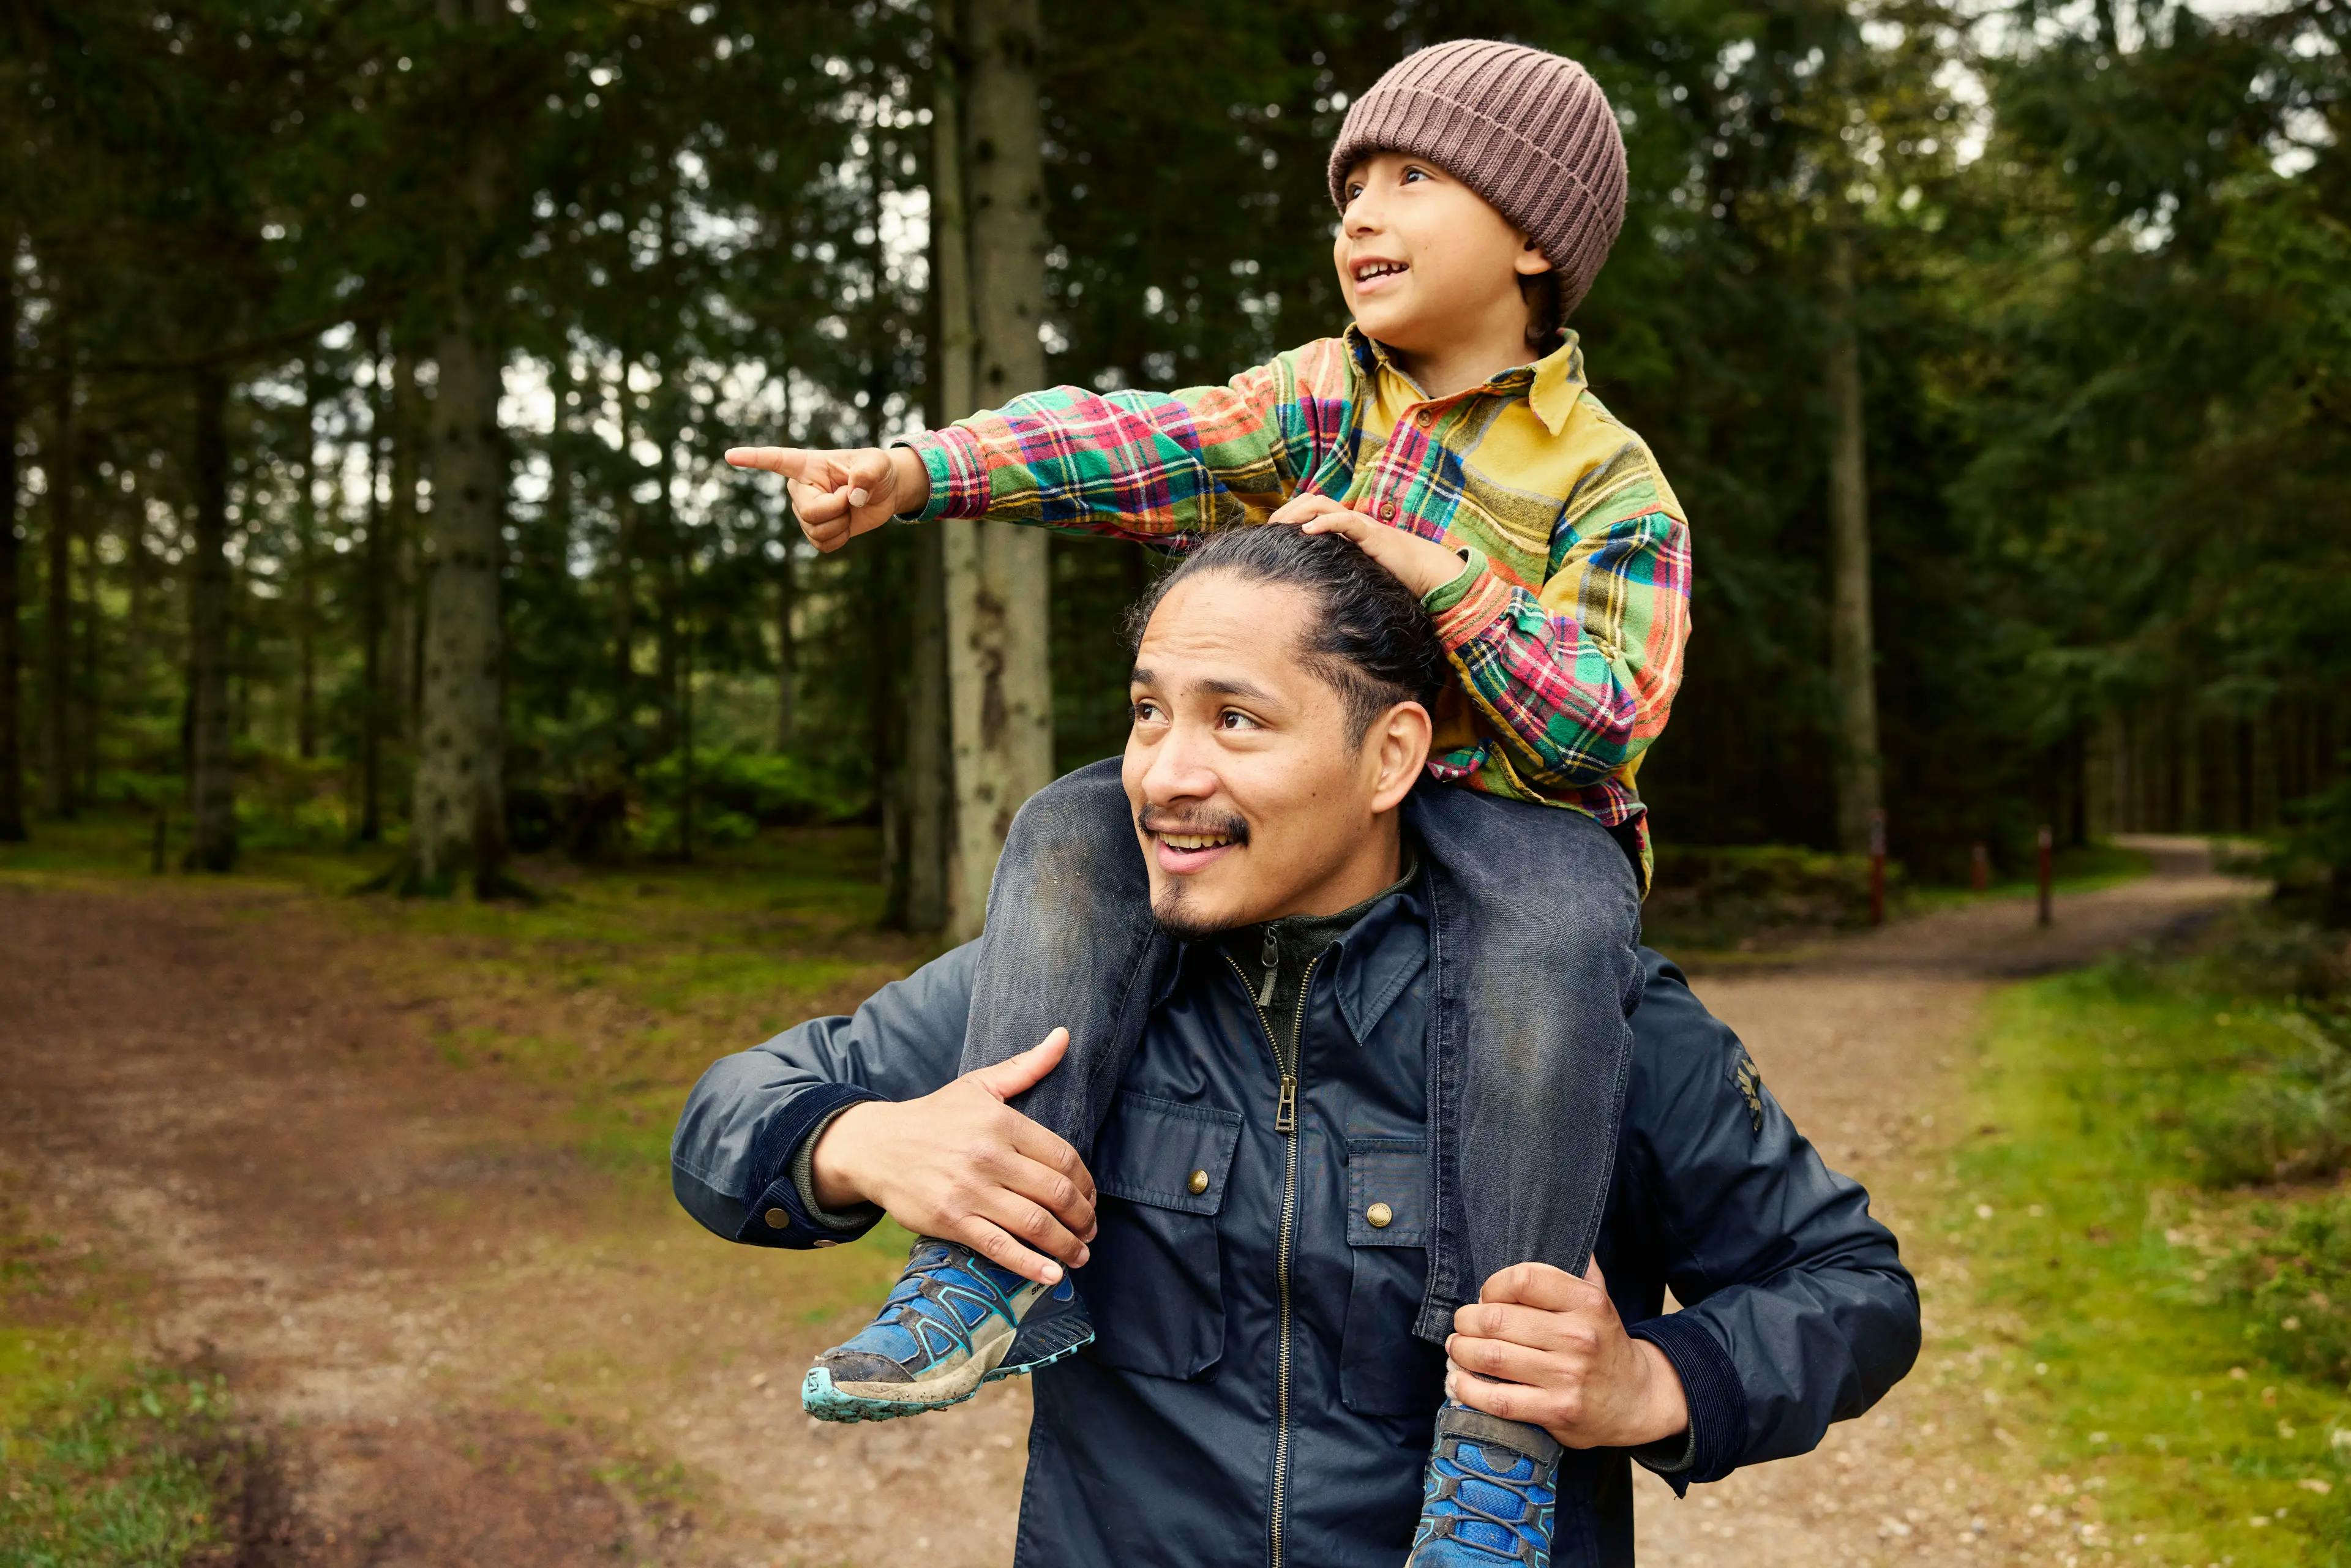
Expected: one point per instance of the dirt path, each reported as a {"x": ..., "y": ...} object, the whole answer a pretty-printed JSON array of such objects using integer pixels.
[{"x": 468, "y": 1344}]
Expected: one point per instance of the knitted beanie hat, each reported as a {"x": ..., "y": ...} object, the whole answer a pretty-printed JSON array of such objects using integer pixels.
[{"x": 1529, "y": 131}]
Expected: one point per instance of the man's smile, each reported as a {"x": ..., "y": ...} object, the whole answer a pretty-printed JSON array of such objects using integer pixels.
[{"x": 1184, "y": 847}]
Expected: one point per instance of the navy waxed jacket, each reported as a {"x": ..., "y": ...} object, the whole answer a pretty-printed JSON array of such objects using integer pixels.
[{"x": 1235, "y": 1413}]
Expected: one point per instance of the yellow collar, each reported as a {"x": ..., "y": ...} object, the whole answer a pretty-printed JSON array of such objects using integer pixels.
[{"x": 1551, "y": 385}]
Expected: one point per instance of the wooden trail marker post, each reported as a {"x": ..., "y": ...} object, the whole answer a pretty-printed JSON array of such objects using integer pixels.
[
  {"x": 2047, "y": 841},
  {"x": 1877, "y": 868},
  {"x": 1978, "y": 868}
]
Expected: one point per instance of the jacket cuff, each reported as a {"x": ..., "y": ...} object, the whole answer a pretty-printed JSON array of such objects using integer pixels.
[
  {"x": 854, "y": 1220},
  {"x": 1480, "y": 597},
  {"x": 958, "y": 474},
  {"x": 1710, "y": 1386},
  {"x": 778, "y": 1217}
]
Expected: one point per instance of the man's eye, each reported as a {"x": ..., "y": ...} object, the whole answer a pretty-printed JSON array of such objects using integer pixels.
[
  {"x": 1233, "y": 718},
  {"x": 1143, "y": 710}
]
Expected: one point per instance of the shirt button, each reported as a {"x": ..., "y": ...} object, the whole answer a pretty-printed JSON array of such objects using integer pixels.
[
  {"x": 1425, "y": 418},
  {"x": 777, "y": 1220},
  {"x": 1381, "y": 1215},
  {"x": 1197, "y": 1182},
  {"x": 1387, "y": 511}
]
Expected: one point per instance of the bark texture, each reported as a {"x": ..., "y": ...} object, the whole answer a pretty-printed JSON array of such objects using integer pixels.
[
  {"x": 1853, "y": 664},
  {"x": 212, "y": 780},
  {"x": 996, "y": 573},
  {"x": 56, "y": 663},
  {"x": 12, "y": 754},
  {"x": 458, "y": 823},
  {"x": 375, "y": 567}
]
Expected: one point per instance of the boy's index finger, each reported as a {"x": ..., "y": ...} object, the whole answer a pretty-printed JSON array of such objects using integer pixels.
[{"x": 791, "y": 462}]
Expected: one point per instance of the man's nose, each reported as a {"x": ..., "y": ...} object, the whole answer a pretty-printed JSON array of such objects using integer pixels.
[{"x": 1180, "y": 768}]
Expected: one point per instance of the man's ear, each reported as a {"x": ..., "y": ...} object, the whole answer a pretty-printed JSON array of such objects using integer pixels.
[{"x": 1398, "y": 741}]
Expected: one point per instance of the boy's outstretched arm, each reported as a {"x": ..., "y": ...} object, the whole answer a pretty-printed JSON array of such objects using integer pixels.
[{"x": 1154, "y": 467}]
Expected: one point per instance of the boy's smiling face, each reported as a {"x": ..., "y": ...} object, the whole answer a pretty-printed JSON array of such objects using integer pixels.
[{"x": 1427, "y": 266}]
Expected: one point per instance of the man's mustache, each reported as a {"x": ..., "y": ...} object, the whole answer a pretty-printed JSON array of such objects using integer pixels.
[{"x": 1153, "y": 820}]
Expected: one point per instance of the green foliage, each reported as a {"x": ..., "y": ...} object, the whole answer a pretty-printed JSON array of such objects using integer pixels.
[{"x": 2296, "y": 1277}]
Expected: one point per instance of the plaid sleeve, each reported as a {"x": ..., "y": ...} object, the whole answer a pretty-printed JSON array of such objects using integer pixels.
[
  {"x": 1580, "y": 678},
  {"x": 1155, "y": 467}
]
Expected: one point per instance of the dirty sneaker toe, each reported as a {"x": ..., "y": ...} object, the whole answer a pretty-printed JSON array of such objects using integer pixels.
[{"x": 953, "y": 1321}]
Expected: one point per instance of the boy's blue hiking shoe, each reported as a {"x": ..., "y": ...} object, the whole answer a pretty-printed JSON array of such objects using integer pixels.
[
  {"x": 1491, "y": 1494},
  {"x": 953, "y": 1321}
]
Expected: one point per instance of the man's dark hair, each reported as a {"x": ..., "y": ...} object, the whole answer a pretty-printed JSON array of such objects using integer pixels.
[{"x": 1370, "y": 640}]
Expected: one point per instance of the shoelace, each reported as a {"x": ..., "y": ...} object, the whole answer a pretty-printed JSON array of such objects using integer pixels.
[{"x": 1521, "y": 1527}]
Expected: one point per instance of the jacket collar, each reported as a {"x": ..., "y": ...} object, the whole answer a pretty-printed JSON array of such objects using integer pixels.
[
  {"x": 1551, "y": 385},
  {"x": 1377, "y": 958}
]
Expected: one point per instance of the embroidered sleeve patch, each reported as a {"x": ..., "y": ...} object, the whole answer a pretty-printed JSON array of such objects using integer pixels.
[{"x": 1750, "y": 1089}]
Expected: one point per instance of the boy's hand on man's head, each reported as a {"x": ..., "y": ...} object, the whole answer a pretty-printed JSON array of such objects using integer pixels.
[
  {"x": 1543, "y": 1346},
  {"x": 1422, "y": 565},
  {"x": 839, "y": 495}
]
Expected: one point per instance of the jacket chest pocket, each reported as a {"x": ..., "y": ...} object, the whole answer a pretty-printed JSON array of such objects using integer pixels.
[
  {"x": 1154, "y": 1283},
  {"x": 1384, "y": 1369}
]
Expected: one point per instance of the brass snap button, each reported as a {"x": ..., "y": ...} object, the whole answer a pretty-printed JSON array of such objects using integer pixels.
[
  {"x": 1381, "y": 1215},
  {"x": 777, "y": 1220},
  {"x": 1197, "y": 1182}
]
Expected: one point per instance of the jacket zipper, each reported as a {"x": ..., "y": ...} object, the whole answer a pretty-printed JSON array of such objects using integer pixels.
[{"x": 1285, "y": 1122}]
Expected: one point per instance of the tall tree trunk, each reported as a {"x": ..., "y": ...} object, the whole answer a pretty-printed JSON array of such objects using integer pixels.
[
  {"x": 997, "y": 574},
  {"x": 86, "y": 691},
  {"x": 458, "y": 825},
  {"x": 211, "y": 777},
  {"x": 1852, "y": 665},
  {"x": 12, "y": 656},
  {"x": 927, "y": 776},
  {"x": 306, "y": 562},
  {"x": 406, "y": 641},
  {"x": 375, "y": 567},
  {"x": 786, "y": 651},
  {"x": 56, "y": 665}
]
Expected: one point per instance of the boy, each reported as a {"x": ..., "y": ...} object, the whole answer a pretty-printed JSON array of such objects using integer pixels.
[{"x": 1479, "y": 185}]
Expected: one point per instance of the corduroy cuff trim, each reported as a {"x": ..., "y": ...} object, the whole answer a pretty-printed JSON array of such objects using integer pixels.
[
  {"x": 1482, "y": 601},
  {"x": 779, "y": 1140},
  {"x": 1710, "y": 1386}
]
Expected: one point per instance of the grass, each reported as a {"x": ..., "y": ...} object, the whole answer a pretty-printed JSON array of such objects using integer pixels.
[
  {"x": 104, "y": 1461},
  {"x": 2110, "y": 1310}
]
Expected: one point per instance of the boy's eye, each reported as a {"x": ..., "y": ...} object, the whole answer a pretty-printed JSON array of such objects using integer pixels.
[
  {"x": 1412, "y": 174},
  {"x": 1355, "y": 189}
]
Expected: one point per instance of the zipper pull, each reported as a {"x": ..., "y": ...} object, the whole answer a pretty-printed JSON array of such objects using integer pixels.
[
  {"x": 1285, "y": 1112},
  {"x": 1269, "y": 960}
]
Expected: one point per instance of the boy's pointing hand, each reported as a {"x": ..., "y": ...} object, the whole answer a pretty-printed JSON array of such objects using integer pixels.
[
  {"x": 1422, "y": 565},
  {"x": 839, "y": 495}
]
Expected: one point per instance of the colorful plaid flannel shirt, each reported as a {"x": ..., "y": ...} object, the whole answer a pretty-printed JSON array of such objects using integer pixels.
[{"x": 1567, "y": 623}]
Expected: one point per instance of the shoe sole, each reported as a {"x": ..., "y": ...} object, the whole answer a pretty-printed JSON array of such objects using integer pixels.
[{"x": 827, "y": 1401}]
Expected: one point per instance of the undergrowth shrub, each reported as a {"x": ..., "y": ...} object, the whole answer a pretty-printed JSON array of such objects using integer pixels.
[{"x": 2296, "y": 1277}]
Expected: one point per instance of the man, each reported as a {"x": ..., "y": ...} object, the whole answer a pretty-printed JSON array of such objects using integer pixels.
[{"x": 1254, "y": 1215}]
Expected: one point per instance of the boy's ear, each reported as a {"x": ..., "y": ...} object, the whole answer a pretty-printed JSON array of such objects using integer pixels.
[{"x": 1531, "y": 261}]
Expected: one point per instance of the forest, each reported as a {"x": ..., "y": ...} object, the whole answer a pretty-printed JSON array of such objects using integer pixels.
[{"x": 369, "y": 363}]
